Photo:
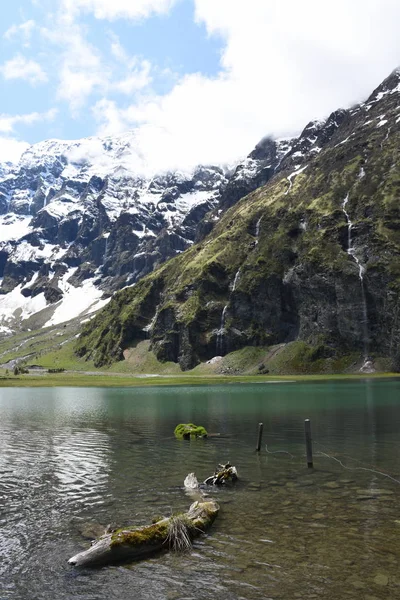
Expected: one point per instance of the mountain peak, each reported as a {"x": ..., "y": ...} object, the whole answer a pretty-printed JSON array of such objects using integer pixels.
[{"x": 390, "y": 85}]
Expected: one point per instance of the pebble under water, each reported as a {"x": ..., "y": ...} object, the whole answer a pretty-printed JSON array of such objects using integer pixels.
[{"x": 73, "y": 461}]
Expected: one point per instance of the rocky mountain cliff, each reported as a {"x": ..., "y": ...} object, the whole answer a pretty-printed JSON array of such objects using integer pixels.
[
  {"x": 311, "y": 256},
  {"x": 77, "y": 221}
]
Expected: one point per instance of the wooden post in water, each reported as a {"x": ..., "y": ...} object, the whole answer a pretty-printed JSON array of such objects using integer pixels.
[
  {"x": 307, "y": 430},
  {"x": 260, "y": 432}
]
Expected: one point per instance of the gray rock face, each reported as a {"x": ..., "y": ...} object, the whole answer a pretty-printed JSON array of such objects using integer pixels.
[{"x": 256, "y": 170}]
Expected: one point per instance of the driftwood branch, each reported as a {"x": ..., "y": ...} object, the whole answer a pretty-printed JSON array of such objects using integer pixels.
[
  {"x": 222, "y": 474},
  {"x": 135, "y": 543}
]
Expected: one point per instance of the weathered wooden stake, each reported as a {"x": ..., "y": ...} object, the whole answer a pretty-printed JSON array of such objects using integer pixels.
[
  {"x": 307, "y": 430},
  {"x": 260, "y": 432}
]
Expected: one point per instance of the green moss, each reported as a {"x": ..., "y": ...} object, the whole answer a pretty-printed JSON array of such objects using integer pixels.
[
  {"x": 152, "y": 534},
  {"x": 189, "y": 430},
  {"x": 303, "y": 358}
]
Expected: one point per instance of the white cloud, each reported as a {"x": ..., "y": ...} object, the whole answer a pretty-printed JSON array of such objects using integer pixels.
[
  {"x": 81, "y": 69},
  {"x": 118, "y": 51},
  {"x": 284, "y": 63},
  {"x": 8, "y": 122},
  {"x": 24, "y": 30},
  {"x": 116, "y": 9},
  {"x": 11, "y": 149},
  {"x": 111, "y": 120},
  {"x": 137, "y": 71},
  {"x": 20, "y": 67},
  {"x": 76, "y": 84},
  {"x": 137, "y": 78}
]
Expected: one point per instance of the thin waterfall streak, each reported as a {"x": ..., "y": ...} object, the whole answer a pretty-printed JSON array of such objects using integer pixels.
[
  {"x": 235, "y": 281},
  {"x": 290, "y": 184},
  {"x": 361, "y": 270},
  {"x": 258, "y": 229},
  {"x": 221, "y": 331}
]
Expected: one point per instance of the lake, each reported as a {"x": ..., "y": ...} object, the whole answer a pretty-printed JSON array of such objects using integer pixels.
[{"x": 73, "y": 459}]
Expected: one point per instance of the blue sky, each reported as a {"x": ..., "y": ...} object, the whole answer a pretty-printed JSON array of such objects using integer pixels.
[
  {"x": 172, "y": 43},
  {"x": 197, "y": 80}
]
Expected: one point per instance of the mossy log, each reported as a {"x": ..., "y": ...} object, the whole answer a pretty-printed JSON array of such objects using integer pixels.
[{"x": 129, "y": 544}]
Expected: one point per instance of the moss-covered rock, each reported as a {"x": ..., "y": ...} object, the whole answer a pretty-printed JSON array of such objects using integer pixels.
[{"x": 186, "y": 431}]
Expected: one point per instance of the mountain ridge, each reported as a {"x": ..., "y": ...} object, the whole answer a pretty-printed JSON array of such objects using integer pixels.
[
  {"x": 78, "y": 213},
  {"x": 311, "y": 256}
]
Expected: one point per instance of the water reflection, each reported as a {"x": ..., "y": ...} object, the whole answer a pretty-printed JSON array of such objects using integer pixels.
[{"x": 81, "y": 464}]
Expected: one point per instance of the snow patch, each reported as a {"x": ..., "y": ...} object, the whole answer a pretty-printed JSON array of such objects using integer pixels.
[
  {"x": 77, "y": 300},
  {"x": 25, "y": 252},
  {"x": 14, "y": 227},
  {"x": 15, "y": 307},
  {"x": 61, "y": 208},
  {"x": 292, "y": 175}
]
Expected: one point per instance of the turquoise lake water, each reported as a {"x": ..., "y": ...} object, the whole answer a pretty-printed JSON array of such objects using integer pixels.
[{"x": 73, "y": 460}]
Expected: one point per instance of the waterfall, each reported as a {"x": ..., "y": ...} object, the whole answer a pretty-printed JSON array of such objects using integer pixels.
[
  {"x": 258, "y": 229},
  {"x": 236, "y": 280},
  {"x": 221, "y": 331},
  {"x": 290, "y": 184},
  {"x": 361, "y": 270},
  {"x": 105, "y": 236},
  {"x": 290, "y": 177},
  {"x": 386, "y": 136}
]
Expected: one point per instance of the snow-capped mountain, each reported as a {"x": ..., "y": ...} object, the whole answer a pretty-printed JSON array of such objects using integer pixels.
[{"x": 78, "y": 221}]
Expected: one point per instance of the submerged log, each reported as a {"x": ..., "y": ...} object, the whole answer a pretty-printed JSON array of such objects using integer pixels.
[
  {"x": 134, "y": 543},
  {"x": 222, "y": 474}
]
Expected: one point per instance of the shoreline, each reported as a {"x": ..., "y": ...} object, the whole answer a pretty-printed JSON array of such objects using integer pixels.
[{"x": 85, "y": 379}]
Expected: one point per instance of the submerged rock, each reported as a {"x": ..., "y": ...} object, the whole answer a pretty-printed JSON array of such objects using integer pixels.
[
  {"x": 91, "y": 531},
  {"x": 381, "y": 579},
  {"x": 186, "y": 431},
  {"x": 332, "y": 485},
  {"x": 375, "y": 492}
]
